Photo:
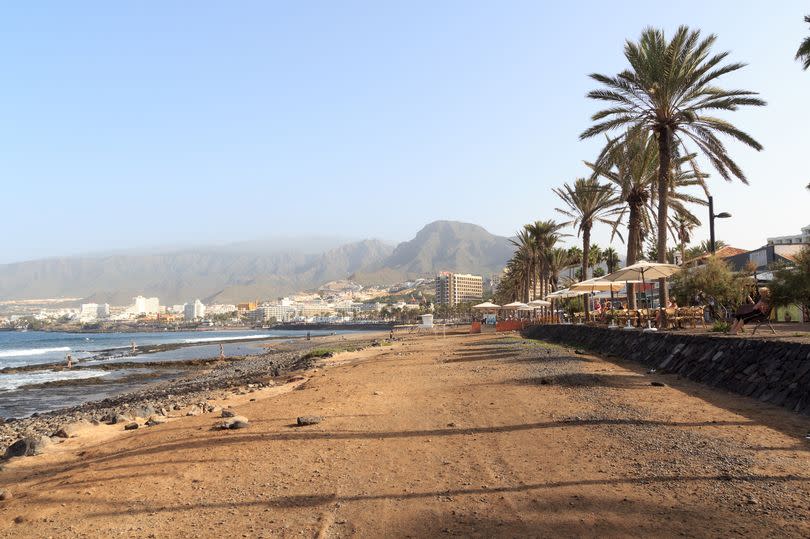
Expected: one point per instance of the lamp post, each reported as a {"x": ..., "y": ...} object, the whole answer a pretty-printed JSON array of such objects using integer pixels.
[{"x": 712, "y": 217}]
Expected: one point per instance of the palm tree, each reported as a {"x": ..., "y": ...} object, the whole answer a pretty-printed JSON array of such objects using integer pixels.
[
  {"x": 527, "y": 249},
  {"x": 545, "y": 235},
  {"x": 611, "y": 259},
  {"x": 587, "y": 202},
  {"x": 803, "y": 53},
  {"x": 558, "y": 259},
  {"x": 670, "y": 90}
]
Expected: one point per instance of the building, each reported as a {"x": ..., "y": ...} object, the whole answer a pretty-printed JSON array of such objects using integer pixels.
[
  {"x": 455, "y": 288},
  {"x": 800, "y": 239},
  {"x": 765, "y": 257},
  {"x": 246, "y": 307},
  {"x": 267, "y": 312},
  {"x": 142, "y": 305},
  {"x": 90, "y": 312},
  {"x": 194, "y": 311}
]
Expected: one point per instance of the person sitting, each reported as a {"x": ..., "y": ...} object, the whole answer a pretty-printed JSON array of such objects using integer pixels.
[
  {"x": 671, "y": 304},
  {"x": 749, "y": 312}
]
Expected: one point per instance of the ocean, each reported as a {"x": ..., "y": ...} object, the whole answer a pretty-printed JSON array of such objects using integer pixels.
[{"x": 41, "y": 356}]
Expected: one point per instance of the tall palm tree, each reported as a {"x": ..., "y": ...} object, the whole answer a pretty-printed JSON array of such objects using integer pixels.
[
  {"x": 803, "y": 53},
  {"x": 630, "y": 162},
  {"x": 611, "y": 259},
  {"x": 527, "y": 255},
  {"x": 558, "y": 259},
  {"x": 670, "y": 90},
  {"x": 595, "y": 256},
  {"x": 545, "y": 235},
  {"x": 587, "y": 202}
]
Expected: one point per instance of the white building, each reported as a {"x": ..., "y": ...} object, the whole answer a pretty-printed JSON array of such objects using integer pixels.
[
  {"x": 142, "y": 305},
  {"x": 90, "y": 312},
  {"x": 798, "y": 239},
  {"x": 194, "y": 311}
]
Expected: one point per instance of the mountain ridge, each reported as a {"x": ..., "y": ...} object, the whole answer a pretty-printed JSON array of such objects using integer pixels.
[{"x": 228, "y": 275}]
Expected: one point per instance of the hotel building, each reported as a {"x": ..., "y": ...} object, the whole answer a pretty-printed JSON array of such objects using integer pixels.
[{"x": 455, "y": 288}]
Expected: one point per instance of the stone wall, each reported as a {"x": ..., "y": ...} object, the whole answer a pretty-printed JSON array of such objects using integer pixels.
[{"x": 773, "y": 372}]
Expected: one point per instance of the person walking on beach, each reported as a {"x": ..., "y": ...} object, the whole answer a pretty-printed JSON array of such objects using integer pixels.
[
  {"x": 69, "y": 361},
  {"x": 133, "y": 348},
  {"x": 221, "y": 352}
]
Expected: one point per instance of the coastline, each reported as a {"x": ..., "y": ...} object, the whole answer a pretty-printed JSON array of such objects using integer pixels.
[{"x": 207, "y": 380}]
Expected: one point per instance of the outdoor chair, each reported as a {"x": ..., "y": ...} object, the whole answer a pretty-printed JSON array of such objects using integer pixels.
[{"x": 764, "y": 318}]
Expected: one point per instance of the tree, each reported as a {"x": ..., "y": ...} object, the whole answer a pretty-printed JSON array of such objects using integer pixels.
[
  {"x": 711, "y": 280},
  {"x": 702, "y": 248},
  {"x": 611, "y": 259},
  {"x": 792, "y": 284},
  {"x": 598, "y": 272},
  {"x": 545, "y": 235},
  {"x": 528, "y": 255},
  {"x": 587, "y": 202},
  {"x": 803, "y": 54},
  {"x": 630, "y": 162},
  {"x": 670, "y": 90},
  {"x": 558, "y": 259},
  {"x": 595, "y": 256}
]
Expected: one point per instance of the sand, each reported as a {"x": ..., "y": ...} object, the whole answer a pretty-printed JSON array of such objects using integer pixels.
[{"x": 463, "y": 435}]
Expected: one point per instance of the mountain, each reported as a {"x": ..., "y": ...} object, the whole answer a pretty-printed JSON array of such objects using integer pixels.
[{"x": 248, "y": 271}]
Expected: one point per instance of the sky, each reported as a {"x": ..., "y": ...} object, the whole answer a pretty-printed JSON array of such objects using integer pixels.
[{"x": 154, "y": 123}]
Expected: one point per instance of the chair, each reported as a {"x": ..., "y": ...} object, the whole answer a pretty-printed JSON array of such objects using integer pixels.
[{"x": 764, "y": 318}]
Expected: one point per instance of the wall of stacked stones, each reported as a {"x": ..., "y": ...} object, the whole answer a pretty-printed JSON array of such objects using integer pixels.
[{"x": 773, "y": 372}]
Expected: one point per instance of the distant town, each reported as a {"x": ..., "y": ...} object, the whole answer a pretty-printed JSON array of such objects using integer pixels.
[{"x": 336, "y": 302}]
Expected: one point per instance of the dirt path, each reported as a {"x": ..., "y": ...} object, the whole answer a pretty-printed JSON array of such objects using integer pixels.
[{"x": 463, "y": 435}]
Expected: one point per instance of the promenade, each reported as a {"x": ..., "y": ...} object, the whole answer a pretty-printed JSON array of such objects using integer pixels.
[{"x": 463, "y": 435}]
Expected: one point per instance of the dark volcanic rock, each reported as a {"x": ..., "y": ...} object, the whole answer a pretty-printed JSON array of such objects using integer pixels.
[
  {"x": 130, "y": 426},
  {"x": 25, "y": 447},
  {"x": 309, "y": 420}
]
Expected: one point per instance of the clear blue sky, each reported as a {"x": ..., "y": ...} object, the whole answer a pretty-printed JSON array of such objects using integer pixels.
[{"x": 149, "y": 123}]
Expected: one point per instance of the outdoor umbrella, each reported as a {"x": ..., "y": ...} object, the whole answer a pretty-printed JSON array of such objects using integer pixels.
[
  {"x": 539, "y": 303},
  {"x": 596, "y": 284},
  {"x": 563, "y": 293},
  {"x": 644, "y": 271},
  {"x": 487, "y": 305},
  {"x": 516, "y": 306}
]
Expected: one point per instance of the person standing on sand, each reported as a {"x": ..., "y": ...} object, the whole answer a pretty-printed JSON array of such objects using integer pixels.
[
  {"x": 69, "y": 361},
  {"x": 133, "y": 347},
  {"x": 221, "y": 352}
]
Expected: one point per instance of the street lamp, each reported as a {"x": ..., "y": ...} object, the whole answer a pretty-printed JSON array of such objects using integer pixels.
[{"x": 712, "y": 217}]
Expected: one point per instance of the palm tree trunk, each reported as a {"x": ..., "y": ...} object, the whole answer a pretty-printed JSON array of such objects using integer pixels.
[
  {"x": 586, "y": 245},
  {"x": 633, "y": 242},
  {"x": 664, "y": 158}
]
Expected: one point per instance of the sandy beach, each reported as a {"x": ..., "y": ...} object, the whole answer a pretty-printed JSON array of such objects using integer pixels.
[{"x": 460, "y": 435}]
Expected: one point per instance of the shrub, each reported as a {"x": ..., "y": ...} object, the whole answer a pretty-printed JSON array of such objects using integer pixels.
[
  {"x": 713, "y": 279},
  {"x": 721, "y": 326},
  {"x": 791, "y": 285}
]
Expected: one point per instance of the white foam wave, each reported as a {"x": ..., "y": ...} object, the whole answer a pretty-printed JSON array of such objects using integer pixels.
[
  {"x": 33, "y": 351},
  {"x": 216, "y": 339},
  {"x": 10, "y": 382}
]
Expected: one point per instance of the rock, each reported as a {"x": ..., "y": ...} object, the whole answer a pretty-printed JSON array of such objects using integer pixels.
[
  {"x": 658, "y": 384},
  {"x": 143, "y": 411},
  {"x": 155, "y": 420},
  {"x": 235, "y": 422},
  {"x": 26, "y": 447},
  {"x": 130, "y": 426},
  {"x": 226, "y": 412},
  {"x": 309, "y": 420},
  {"x": 19, "y": 519},
  {"x": 195, "y": 410},
  {"x": 545, "y": 381},
  {"x": 579, "y": 352},
  {"x": 5, "y": 495},
  {"x": 70, "y": 430}
]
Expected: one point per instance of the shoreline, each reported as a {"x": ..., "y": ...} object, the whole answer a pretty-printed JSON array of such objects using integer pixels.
[{"x": 211, "y": 380}]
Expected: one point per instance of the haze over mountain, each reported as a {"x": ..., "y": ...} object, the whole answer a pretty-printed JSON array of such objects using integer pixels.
[{"x": 254, "y": 270}]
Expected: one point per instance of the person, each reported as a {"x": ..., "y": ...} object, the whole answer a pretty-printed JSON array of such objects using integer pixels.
[
  {"x": 749, "y": 312},
  {"x": 308, "y": 335},
  {"x": 69, "y": 361},
  {"x": 221, "y": 351},
  {"x": 671, "y": 304}
]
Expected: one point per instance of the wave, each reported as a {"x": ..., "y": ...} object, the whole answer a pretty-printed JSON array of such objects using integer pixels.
[
  {"x": 10, "y": 382},
  {"x": 33, "y": 351},
  {"x": 216, "y": 339}
]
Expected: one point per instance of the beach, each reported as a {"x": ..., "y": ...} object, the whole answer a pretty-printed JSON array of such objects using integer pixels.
[{"x": 466, "y": 435}]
